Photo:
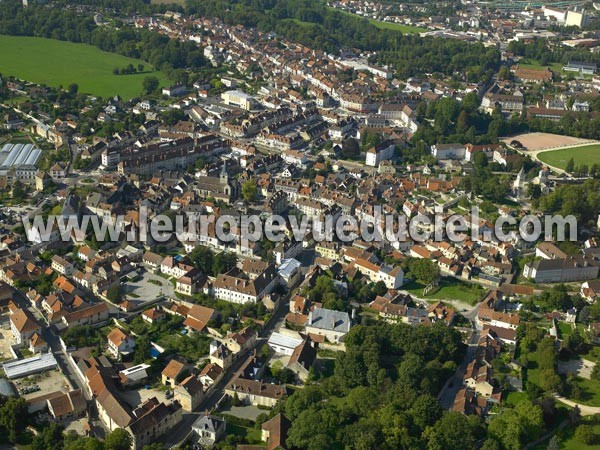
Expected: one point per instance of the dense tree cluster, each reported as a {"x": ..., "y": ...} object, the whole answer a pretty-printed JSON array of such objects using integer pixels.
[
  {"x": 545, "y": 53},
  {"x": 382, "y": 394},
  {"x": 204, "y": 259},
  {"x": 13, "y": 418},
  {"x": 482, "y": 181},
  {"x": 581, "y": 200},
  {"x": 425, "y": 271}
]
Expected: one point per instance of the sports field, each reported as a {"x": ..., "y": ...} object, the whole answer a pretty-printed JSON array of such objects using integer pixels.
[
  {"x": 587, "y": 154},
  {"x": 58, "y": 63}
]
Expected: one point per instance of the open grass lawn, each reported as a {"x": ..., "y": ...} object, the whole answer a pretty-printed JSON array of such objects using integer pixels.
[
  {"x": 565, "y": 329},
  {"x": 593, "y": 354},
  {"x": 396, "y": 26},
  {"x": 514, "y": 398},
  {"x": 532, "y": 373},
  {"x": 532, "y": 64},
  {"x": 448, "y": 289},
  {"x": 56, "y": 63},
  {"x": 567, "y": 440},
  {"x": 586, "y": 154},
  {"x": 250, "y": 434},
  {"x": 590, "y": 392},
  {"x": 387, "y": 25}
]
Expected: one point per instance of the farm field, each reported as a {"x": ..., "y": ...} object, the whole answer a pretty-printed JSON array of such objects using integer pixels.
[
  {"x": 58, "y": 63},
  {"x": 587, "y": 154}
]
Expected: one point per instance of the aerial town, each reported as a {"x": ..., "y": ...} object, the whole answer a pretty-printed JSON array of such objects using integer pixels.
[{"x": 479, "y": 336}]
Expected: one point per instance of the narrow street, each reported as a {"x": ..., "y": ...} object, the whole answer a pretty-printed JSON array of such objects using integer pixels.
[
  {"x": 177, "y": 435},
  {"x": 453, "y": 384}
]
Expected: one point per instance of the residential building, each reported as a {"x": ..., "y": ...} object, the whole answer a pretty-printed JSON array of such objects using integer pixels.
[
  {"x": 334, "y": 325},
  {"x": 67, "y": 406},
  {"x": 120, "y": 343},
  {"x": 208, "y": 430},
  {"x": 189, "y": 393},
  {"x": 23, "y": 326}
]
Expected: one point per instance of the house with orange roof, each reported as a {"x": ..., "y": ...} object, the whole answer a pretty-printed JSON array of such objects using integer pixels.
[
  {"x": 120, "y": 343},
  {"x": 23, "y": 326}
]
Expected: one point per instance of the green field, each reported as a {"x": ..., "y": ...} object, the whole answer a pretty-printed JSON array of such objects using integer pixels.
[
  {"x": 387, "y": 25},
  {"x": 590, "y": 392},
  {"x": 58, "y": 63},
  {"x": 587, "y": 154},
  {"x": 448, "y": 289},
  {"x": 532, "y": 64},
  {"x": 567, "y": 440}
]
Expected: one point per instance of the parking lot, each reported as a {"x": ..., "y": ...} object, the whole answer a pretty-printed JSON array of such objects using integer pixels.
[
  {"x": 42, "y": 383},
  {"x": 148, "y": 287}
]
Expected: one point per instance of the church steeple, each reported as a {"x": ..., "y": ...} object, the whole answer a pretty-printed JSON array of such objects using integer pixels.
[{"x": 223, "y": 176}]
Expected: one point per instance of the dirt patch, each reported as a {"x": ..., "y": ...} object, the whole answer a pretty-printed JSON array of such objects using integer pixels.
[{"x": 542, "y": 141}]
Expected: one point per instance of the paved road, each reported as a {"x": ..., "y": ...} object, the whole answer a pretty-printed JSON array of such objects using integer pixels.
[
  {"x": 179, "y": 434},
  {"x": 585, "y": 409},
  {"x": 448, "y": 393}
]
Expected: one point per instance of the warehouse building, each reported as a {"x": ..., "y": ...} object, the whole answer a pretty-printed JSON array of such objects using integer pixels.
[{"x": 19, "y": 162}]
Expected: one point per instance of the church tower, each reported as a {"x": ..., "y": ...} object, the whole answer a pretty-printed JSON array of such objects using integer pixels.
[{"x": 223, "y": 177}]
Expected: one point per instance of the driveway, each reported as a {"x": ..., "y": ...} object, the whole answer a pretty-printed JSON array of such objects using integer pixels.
[{"x": 585, "y": 409}]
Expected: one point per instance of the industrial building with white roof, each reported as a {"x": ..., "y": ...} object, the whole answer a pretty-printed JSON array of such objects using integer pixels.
[{"x": 19, "y": 161}]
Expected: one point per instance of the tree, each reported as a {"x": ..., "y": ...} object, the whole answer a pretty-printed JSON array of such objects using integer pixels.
[
  {"x": 51, "y": 437},
  {"x": 203, "y": 258},
  {"x": 514, "y": 426},
  {"x": 422, "y": 270},
  {"x": 480, "y": 160},
  {"x": 224, "y": 262},
  {"x": 154, "y": 446},
  {"x": 118, "y": 439},
  {"x": 249, "y": 190},
  {"x": 596, "y": 372},
  {"x": 76, "y": 442},
  {"x": 585, "y": 434},
  {"x": 570, "y": 165},
  {"x": 504, "y": 73},
  {"x": 452, "y": 432},
  {"x": 171, "y": 116},
  {"x": 490, "y": 444},
  {"x": 150, "y": 84},
  {"x": 553, "y": 443},
  {"x": 115, "y": 293},
  {"x": 18, "y": 192},
  {"x": 13, "y": 417},
  {"x": 72, "y": 89},
  {"x": 350, "y": 148}
]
